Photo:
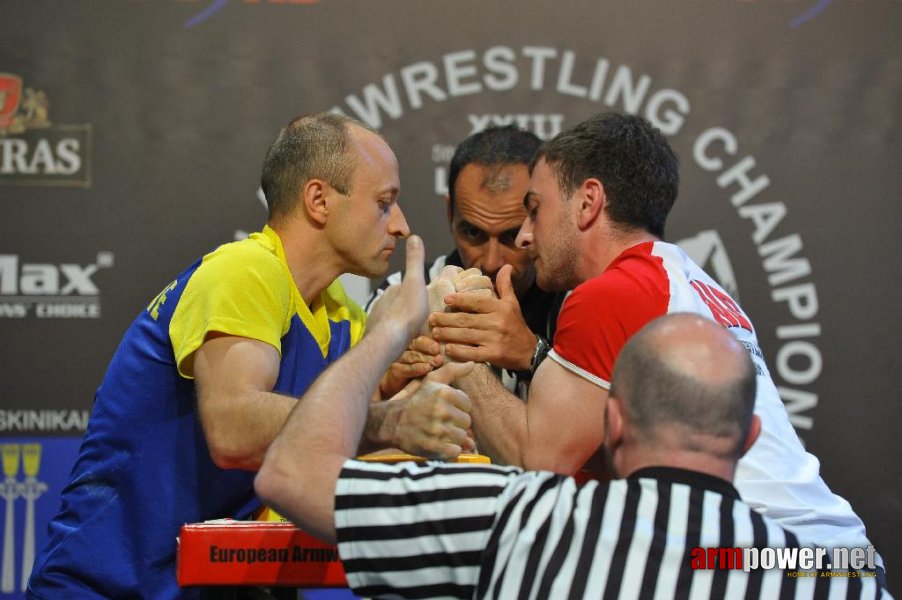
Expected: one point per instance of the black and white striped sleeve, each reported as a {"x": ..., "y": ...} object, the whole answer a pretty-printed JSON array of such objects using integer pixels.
[{"x": 416, "y": 530}]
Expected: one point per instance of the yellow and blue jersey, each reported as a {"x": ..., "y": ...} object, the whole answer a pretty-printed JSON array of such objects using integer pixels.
[{"x": 144, "y": 468}]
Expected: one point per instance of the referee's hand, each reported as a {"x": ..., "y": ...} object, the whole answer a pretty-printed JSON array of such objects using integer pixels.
[
  {"x": 435, "y": 422},
  {"x": 412, "y": 301},
  {"x": 405, "y": 306}
]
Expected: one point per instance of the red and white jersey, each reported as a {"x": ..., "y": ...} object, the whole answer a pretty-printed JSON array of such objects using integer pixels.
[{"x": 777, "y": 476}]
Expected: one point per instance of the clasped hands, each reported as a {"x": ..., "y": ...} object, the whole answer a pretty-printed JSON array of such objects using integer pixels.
[
  {"x": 467, "y": 322},
  {"x": 425, "y": 416}
]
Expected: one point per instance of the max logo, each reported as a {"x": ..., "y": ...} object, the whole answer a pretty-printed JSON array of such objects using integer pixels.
[{"x": 217, "y": 5}]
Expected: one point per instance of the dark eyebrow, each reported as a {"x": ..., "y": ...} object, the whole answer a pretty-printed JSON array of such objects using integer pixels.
[
  {"x": 465, "y": 223},
  {"x": 513, "y": 231}
]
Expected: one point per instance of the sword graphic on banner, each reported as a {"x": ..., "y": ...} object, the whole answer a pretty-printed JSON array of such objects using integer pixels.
[
  {"x": 10, "y": 490},
  {"x": 31, "y": 491}
]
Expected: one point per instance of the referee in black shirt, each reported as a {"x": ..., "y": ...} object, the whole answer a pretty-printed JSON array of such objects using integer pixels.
[{"x": 678, "y": 417}]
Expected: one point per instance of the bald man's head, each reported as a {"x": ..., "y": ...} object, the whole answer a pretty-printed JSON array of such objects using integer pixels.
[{"x": 683, "y": 372}]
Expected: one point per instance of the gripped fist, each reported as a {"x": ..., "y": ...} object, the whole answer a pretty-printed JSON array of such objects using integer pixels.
[
  {"x": 453, "y": 280},
  {"x": 485, "y": 328},
  {"x": 473, "y": 281},
  {"x": 440, "y": 287},
  {"x": 424, "y": 353},
  {"x": 435, "y": 417}
]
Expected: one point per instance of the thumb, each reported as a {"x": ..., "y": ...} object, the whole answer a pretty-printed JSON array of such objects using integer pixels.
[
  {"x": 450, "y": 372},
  {"x": 415, "y": 257},
  {"x": 504, "y": 284}
]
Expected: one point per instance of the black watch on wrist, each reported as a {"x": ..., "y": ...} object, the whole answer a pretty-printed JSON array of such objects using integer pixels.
[{"x": 538, "y": 355}]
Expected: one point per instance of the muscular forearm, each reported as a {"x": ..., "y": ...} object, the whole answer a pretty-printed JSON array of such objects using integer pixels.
[
  {"x": 302, "y": 466},
  {"x": 240, "y": 429},
  {"x": 323, "y": 431},
  {"x": 240, "y": 415},
  {"x": 337, "y": 425},
  {"x": 378, "y": 431},
  {"x": 499, "y": 417}
]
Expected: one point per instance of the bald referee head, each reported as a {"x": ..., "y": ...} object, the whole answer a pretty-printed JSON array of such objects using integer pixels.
[{"x": 682, "y": 395}]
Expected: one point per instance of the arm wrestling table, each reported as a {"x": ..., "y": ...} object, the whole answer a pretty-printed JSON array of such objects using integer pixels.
[{"x": 268, "y": 552}]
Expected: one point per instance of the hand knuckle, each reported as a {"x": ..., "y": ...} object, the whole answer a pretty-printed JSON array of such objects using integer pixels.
[{"x": 435, "y": 430}]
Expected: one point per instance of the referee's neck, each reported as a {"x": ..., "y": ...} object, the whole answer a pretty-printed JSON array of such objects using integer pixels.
[
  {"x": 632, "y": 459},
  {"x": 688, "y": 477}
]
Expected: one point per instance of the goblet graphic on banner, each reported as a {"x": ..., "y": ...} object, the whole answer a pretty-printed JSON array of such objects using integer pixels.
[
  {"x": 31, "y": 490},
  {"x": 10, "y": 490}
]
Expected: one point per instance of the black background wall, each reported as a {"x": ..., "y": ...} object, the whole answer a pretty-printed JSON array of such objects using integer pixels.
[{"x": 136, "y": 142}]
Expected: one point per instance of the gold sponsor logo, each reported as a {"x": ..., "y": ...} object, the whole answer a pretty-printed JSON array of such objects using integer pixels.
[{"x": 34, "y": 151}]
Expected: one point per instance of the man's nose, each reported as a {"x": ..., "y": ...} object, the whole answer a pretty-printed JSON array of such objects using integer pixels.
[
  {"x": 524, "y": 237},
  {"x": 493, "y": 258},
  {"x": 397, "y": 224}
]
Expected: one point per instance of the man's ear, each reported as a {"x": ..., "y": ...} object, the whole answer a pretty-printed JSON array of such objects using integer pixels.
[
  {"x": 592, "y": 199},
  {"x": 754, "y": 432},
  {"x": 313, "y": 197},
  {"x": 614, "y": 423}
]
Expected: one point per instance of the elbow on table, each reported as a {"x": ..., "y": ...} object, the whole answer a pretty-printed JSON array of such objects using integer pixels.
[
  {"x": 267, "y": 484},
  {"x": 229, "y": 455},
  {"x": 273, "y": 483}
]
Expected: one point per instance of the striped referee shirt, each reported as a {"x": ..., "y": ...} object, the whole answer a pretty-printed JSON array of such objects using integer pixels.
[{"x": 441, "y": 530}]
